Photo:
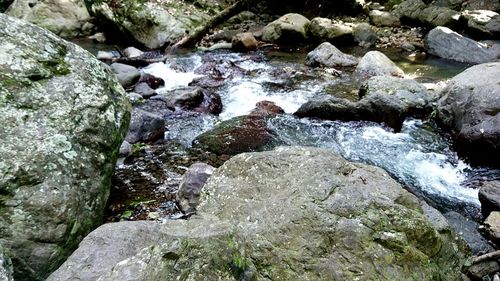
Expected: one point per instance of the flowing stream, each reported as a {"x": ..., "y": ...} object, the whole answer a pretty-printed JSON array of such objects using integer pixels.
[{"x": 418, "y": 156}]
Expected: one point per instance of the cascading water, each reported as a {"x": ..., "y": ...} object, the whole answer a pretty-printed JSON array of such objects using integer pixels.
[{"x": 417, "y": 156}]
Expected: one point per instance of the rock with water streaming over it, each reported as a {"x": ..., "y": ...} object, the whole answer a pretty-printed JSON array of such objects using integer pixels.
[
  {"x": 376, "y": 63},
  {"x": 384, "y": 99},
  {"x": 444, "y": 42},
  {"x": 145, "y": 127},
  {"x": 293, "y": 213},
  {"x": 64, "y": 116},
  {"x": 328, "y": 55},
  {"x": 470, "y": 108}
]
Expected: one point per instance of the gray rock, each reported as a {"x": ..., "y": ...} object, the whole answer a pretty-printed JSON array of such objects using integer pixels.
[
  {"x": 483, "y": 21},
  {"x": 98, "y": 37},
  {"x": 384, "y": 99},
  {"x": 328, "y": 55},
  {"x": 469, "y": 107},
  {"x": 64, "y": 18},
  {"x": 6, "y": 270},
  {"x": 125, "y": 149},
  {"x": 135, "y": 98},
  {"x": 107, "y": 55},
  {"x": 323, "y": 29},
  {"x": 288, "y": 29},
  {"x": 468, "y": 230},
  {"x": 145, "y": 127},
  {"x": 432, "y": 15},
  {"x": 195, "y": 99},
  {"x": 492, "y": 224},
  {"x": 489, "y": 196},
  {"x": 132, "y": 52},
  {"x": 244, "y": 42},
  {"x": 188, "y": 195},
  {"x": 492, "y": 5},
  {"x": 144, "y": 90},
  {"x": 156, "y": 24},
  {"x": 480, "y": 271},
  {"x": 127, "y": 75},
  {"x": 63, "y": 117},
  {"x": 375, "y": 63},
  {"x": 444, "y": 42},
  {"x": 275, "y": 215},
  {"x": 365, "y": 34},
  {"x": 380, "y": 18}
]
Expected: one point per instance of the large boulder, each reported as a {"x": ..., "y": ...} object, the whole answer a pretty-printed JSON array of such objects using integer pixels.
[
  {"x": 63, "y": 116},
  {"x": 483, "y": 21},
  {"x": 155, "y": 24},
  {"x": 384, "y": 99},
  {"x": 431, "y": 15},
  {"x": 288, "y": 29},
  {"x": 294, "y": 214},
  {"x": 375, "y": 63},
  {"x": 444, "y": 42},
  {"x": 188, "y": 195},
  {"x": 328, "y": 55},
  {"x": 66, "y": 18},
  {"x": 489, "y": 196},
  {"x": 323, "y": 29},
  {"x": 470, "y": 108}
]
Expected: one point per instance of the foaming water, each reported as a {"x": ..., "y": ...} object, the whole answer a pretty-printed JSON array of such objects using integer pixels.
[
  {"x": 424, "y": 163},
  {"x": 173, "y": 79}
]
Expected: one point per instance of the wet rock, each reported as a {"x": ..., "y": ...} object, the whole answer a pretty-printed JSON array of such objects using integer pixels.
[
  {"x": 483, "y": 21},
  {"x": 132, "y": 52},
  {"x": 237, "y": 135},
  {"x": 375, "y": 63},
  {"x": 65, "y": 18},
  {"x": 6, "y": 270},
  {"x": 145, "y": 127},
  {"x": 196, "y": 99},
  {"x": 64, "y": 116},
  {"x": 432, "y": 15},
  {"x": 384, "y": 99},
  {"x": 328, "y": 55},
  {"x": 288, "y": 29},
  {"x": 144, "y": 90},
  {"x": 492, "y": 224},
  {"x": 244, "y": 42},
  {"x": 324, "y": 29},
  {"x": 188, "y": 195},
  {"x": 127, "y": 75},
  {"x": 469, "y": 107},
  {"x": 365, "y": 34},
  {"x": 156, "y": 104},
  {"x": 267, "y": 109},
  {"x": 468, "y": 230},
  {"x": 489, "y": 196},
  {"x": 380, "y": 18},
  {"x": 444, "y": 42},
  {"x": 152, "y": 81}
]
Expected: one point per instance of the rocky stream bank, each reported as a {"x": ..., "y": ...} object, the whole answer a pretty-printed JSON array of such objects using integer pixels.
[{"x": 356, "y": 142}]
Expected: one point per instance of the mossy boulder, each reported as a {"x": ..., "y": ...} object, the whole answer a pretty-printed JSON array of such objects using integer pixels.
[
  {"x": 63, "y": 117},
  {"x": 66, "y": 18},
  {"x": 156, "y": 23},
  {"x": 290, "y": 214},
  {"x": 289, "y": 29}
]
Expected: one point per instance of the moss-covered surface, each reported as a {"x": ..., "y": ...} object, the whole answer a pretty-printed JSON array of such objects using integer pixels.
[{"x": 63, "y": 118}]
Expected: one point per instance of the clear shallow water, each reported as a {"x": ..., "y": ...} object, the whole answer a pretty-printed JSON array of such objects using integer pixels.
[{"x": 417, "y": 156}]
